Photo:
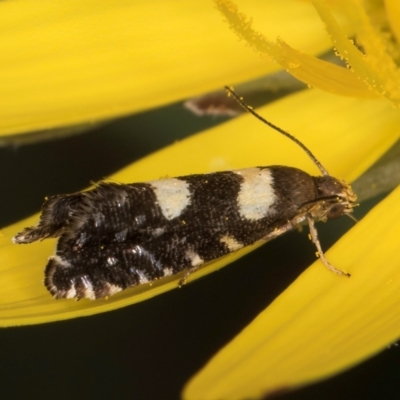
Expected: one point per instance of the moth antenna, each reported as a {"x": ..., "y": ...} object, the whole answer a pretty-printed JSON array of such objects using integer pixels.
[{"x": 270, "y": 124}]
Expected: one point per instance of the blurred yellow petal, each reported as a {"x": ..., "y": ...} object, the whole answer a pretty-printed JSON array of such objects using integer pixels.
[
  {"x": 322, "y": 74},
  {"x": 73, "y": 62},
  {"x": 333, "y": 127},
  {"x": 371, "y": 75},
  {"x": 322, "y": 324},
  {"x": 393, "y": 16},
  {"x": 376, "y": 68},
  {"x": 309, "y": 69}
]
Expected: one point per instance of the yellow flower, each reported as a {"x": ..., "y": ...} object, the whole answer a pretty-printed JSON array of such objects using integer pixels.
[
  {"x": 322, "y": 325},
  {"x": 76, "y": 64}
]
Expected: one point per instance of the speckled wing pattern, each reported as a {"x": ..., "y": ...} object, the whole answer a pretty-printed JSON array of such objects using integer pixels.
[{"x": 116, "y": 236}]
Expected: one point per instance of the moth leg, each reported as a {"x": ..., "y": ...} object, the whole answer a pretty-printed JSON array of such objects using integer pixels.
[{"x": 315, "y": 240}]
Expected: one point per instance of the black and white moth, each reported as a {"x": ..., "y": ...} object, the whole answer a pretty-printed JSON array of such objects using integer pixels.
[{"x": 117, "y": 235}]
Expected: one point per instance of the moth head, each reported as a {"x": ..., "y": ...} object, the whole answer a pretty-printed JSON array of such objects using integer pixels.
[{"x": 335, "y": 198}]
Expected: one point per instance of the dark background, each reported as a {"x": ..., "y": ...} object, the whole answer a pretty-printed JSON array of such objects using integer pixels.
[{"x": 149, "y": 350}]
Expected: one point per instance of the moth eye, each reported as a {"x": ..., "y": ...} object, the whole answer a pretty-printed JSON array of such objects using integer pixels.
[{"x": 336, "y": 211}]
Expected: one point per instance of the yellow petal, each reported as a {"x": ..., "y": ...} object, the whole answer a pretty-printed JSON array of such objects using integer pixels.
[
  {"x": 322, "y": 74},
  {"x": 333, "y": 127},
  {"x": 393, "y": 15},
  {"x": 71, "y": 62},
  {"x": 314, "y": 72},
  {"x": 376, "y": 68}
]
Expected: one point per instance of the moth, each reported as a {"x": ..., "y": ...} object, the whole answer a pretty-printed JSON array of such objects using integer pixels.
[{"x": 118, "y": 235}]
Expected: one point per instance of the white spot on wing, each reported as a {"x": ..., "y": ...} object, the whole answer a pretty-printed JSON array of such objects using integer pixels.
[
  {"x": 231, "y": 243},
  {"x": 173, "y": 196},
  {"x": 194, "y": 258},
  {"x": 158, "y": 232},
  {"x": 256, "y": 195},
  {"x": 112, "y": 289},
  {"x": 99, "y": 219},
  {"x": 142, "y": 277},
  {"x": 168, "y": 271},
  {"x": 140, "y": 220},
  {"x": 89, "y": 292},
  {"x": 112, "y": 261},
  {"x": 71, "y": 293}
]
